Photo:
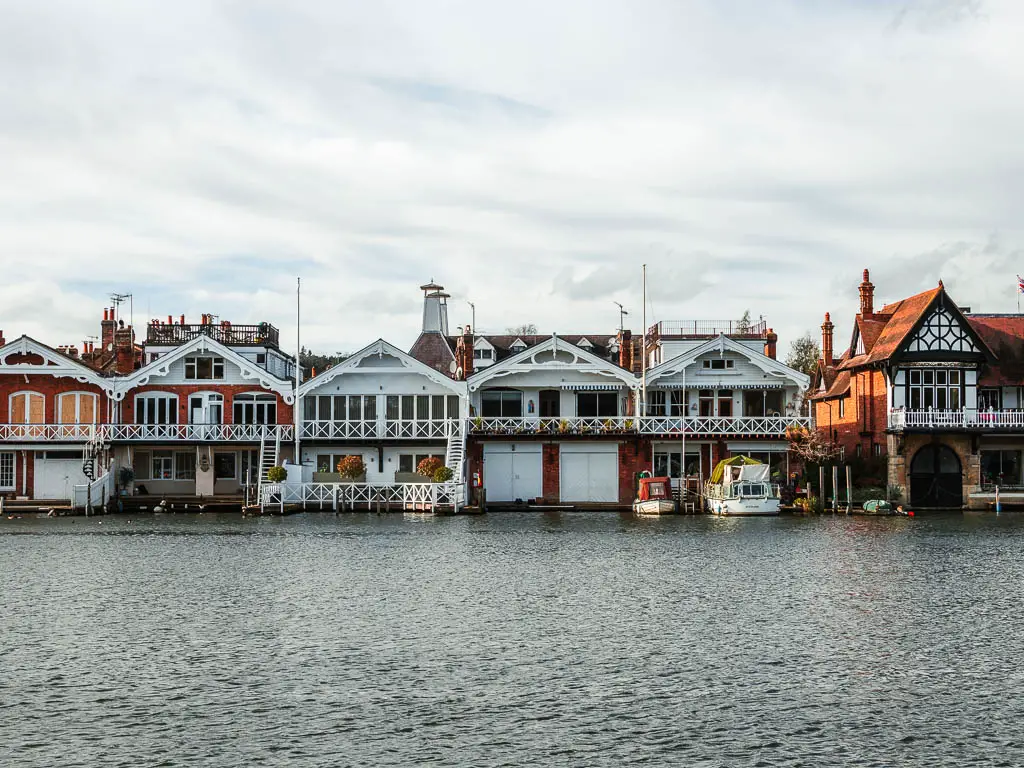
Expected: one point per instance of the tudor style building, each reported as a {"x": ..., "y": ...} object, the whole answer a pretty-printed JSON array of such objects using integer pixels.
[{"x": 935, "y": 389}]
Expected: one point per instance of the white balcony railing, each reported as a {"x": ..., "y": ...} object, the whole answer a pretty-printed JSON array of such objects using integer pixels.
[
  {"x": 396, "y": 429},
  {"x": 963, "y": 419},
  {"x": 412, "y": 497},
  {"x": 720, "y": 425},
  {"x": 574, "y": 425},
  {"x": 49, "y": 433},
  {"x": 243, "y": 433}
]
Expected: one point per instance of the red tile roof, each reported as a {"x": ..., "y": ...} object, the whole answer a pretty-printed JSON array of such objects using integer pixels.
[
  {"x": 1004, "y": 335},
  {"x": 903, "y": 317}
]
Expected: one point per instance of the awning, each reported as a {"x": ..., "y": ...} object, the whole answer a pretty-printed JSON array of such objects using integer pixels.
[
  {"x": 593, "y": 387},
  {"x": 703, "y": 384},
  {"x": 753, "y": 446}
]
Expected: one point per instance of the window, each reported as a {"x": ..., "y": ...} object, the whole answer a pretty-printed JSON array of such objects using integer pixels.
[
  {"x": 27, "y": 408},
  {"x": 483, "y": 354},
  {"x": 858, "y": 450},
  {"x": 718, "y": 364},
  {"x": 501, "y": 403},
  {"x": 725, "y": 402},
  {"x": 876, "y": 449},
  {"x": 1000, "y": 467},
  {"x": 990, "y": 399},
  {"x": 142, "y": 465},
  {"x": 224, "y": 466},
  {"x": 407, "y": 462},
  {"x": 337, "y": 408},
  {"x": 668, "y": 463},
  {"x": 930, "y": 388},
  {"x": 184, "y": 465},
  {"x": 77, "y": 408},
  {"x": 261, "y": 357},
  {"x": 163, "y": 465},
  {"x": 517, "y": 347},
  {"x": 204, "y": 368},
  {"x": 597, "y": 404},
  {"x": 677, "y": 404},
  {"x": 706, "y": 402},
  {"x": 656, "y": 405},
  {"x": 254, "y": 409},
  {"x": 7, "y": 471},
  {"x": 156, "y": 409},
  {"x": 842, "y": 407},
  {"x": 842, "y": 453}
]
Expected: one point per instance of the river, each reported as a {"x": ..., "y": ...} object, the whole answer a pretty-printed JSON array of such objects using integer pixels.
[{"x": 512, "y": 639}]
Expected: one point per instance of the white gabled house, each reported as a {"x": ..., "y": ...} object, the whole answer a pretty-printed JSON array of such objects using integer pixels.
[
  {"x": 720, "y": 398},
  {"x": 201, "y": 419},
  {"x": 553, "y": 422},
  {"x": 386, "y": 406}
]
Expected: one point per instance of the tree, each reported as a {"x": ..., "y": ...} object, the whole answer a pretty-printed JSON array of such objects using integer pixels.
[
  {"x": 309, "y": 360},
  {"x": 743, "y": 324},
  {"x": 804, "y": 354},
  {"x": 526, "y": 329}
]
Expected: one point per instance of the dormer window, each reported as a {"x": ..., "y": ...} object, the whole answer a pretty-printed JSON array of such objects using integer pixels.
[
  {"x": 719, "y": 364},
  {"x": 204, "y": 368},
  {"x": 584, "y": 343},
  {"x": 517, "y": 346},
  {"x": 483, "y": 354}
]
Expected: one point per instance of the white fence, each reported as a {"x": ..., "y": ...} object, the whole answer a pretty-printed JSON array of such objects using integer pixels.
[
  {"x": 720, "y": 425},
  {"x": 246, "y": 433},
  {"x": 963, "y": 419},
  {"x": 411, "y": 497},
  {"x": 574, "y": 425},
  {"x": 96, "y": 494},
  {"x": 54, "y": 433},
  {"x": 395, "y": 429}
]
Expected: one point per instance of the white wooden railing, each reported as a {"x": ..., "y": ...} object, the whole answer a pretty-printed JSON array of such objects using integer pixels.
[
  {"x": 720, "y": 425},
  {"x": 395, "y": 429},
  {"x": 412, "y": 497},
  {"x": 96, "y": 494},
  {"x": 574, "y": 425},
  {"x": 198, "y": 432},
  {"x": 962, "y": 419},
  {"x": 77, "y": 433}
]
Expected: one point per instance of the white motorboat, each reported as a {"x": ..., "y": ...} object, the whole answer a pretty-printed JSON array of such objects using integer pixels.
[
  {"x": 654, "y": 497},
  {"x": 741, "y": 486}
]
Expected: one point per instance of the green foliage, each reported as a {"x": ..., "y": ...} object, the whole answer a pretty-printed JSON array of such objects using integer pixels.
[
  {"x": 277, "y": 474},
  {"x": 743, "y": 325},
  {"x": 442, "y": 475},
  {"x": 804, "y": 353},
  {"x": 351, "y": 468},
  {"x": 428, "y": 466}
]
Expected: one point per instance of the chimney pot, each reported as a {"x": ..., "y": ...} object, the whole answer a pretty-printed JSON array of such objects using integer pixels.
[
  {"x": 182, "y": 319},
  {"x": 867, "y": 296}
]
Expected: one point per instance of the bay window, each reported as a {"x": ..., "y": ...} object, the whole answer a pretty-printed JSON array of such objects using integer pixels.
[{"x": 934, "y": 388}]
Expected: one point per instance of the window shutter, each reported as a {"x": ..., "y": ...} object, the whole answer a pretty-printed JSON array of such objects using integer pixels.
[
  {"x": 87, "y": 409},
  {"x": 18, "y": 409},
  {"x": 35, "y": 409},
  {"x": 67, "y": 408}
]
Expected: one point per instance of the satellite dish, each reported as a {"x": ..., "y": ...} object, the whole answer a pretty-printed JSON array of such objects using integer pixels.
[{"x": 452, "y": 367}]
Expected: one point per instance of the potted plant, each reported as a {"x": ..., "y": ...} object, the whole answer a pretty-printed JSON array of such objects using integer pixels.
[
  {"x": 563, "y": 426},
  {"x": 428, "y": 466},
  {"x": 478, "y": 424},
  {"x": 352, "y": 469},
  {"x": 277, "y": 474},
  {"x": 442, "y": 475}
]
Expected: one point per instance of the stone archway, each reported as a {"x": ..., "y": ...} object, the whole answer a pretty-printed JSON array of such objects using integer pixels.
[{"x": 936, "y": 477}]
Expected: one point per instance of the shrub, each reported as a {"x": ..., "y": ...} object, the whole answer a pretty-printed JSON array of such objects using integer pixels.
[
  {"x": 442, "y": 475},
  {"x": 351, "y": 467},
  {"x": 277, "y": 474},
  {"x": 428, "y": 466}
]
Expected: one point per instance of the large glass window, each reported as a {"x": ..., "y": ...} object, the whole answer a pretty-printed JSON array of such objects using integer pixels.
[
  {"x": 204, "y": 368},
  {"x": 501, "y": 403},
  {"x": 156, "y": 409},
  {"x": 6, "y": 471},
  {"x": 254, "y": 409},
  {"x": 224, "y": 466},
  {"x": 597, "y": 404},
  {"x": 184, "y": 465},
  {"x": 656, "y": 405},
  {"x": 990, "y": 399},
  {"x": 163, "y": 465},
  {"x": 930, "y": 388},
  {"x": 1001, "y": 467},
  {"x": 339, "y": 408}
]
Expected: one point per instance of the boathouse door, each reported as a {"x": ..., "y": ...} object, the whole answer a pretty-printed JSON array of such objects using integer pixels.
[{"x": 936, "y": 478}]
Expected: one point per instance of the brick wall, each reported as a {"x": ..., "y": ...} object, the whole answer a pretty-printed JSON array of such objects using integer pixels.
[
  {"x": 634, "y": 456},
  {"x": 865, "y": 414},
  {"x": 285, "y": 413},
  {"x": 50, "y": 387},
  {"x": 550, "y": 467}
]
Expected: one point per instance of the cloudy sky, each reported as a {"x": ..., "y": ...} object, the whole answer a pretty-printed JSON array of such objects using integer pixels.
[{"x": 530, "y": 156}]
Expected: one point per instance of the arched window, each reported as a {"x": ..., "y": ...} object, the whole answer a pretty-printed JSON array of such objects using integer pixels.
[
  {"x": 205, "y": 408},
  {"x": 27, "y": 408},
  {"x": 77, "y": 408},
  {"x": 156, "y": 408},
  {"x": 254, "y": 408}
]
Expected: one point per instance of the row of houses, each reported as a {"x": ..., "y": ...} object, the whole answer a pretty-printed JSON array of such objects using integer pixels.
[{"x": 206, "y": 409}]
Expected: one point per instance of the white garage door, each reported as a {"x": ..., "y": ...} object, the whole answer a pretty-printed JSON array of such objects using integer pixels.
[
  {"x": 57, "y": 476},
  {"x": 513, "y": 471},
  {"x": 589, "y": 472}
]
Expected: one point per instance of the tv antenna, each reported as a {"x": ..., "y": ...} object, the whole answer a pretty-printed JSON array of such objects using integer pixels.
[
  {"x": 117, "y": 299},
  {"x": 622, "y": 315},
  {"x": 472, "y": 307}
]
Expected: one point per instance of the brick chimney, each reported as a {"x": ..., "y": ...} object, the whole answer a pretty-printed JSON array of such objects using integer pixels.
[
  {"x": 107, "y": 330},
  {"x": 464, "y": 354},
  {"x": 771, "y": 344},
  {"x": 124, "y": 349},
  {"x": 2, "y": 339},
  {"x": 826, "y": 341},
  {"x": 625, "y": 342},
  {"x": 867, "y": 296}
]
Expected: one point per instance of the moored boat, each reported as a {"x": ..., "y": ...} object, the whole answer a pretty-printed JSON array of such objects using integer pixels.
[
  {"x": 741, "y": 486},
  {"x": 654, "y": 497}
]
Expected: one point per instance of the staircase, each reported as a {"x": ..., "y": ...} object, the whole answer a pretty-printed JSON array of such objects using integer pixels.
[
  {"x": 269, "y": 456},
  {"x": 455, "y": 459}
]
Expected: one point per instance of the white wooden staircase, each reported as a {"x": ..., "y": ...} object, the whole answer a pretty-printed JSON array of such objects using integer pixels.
[
  {"x": 455, "y": 459},
  {"x": 270, "y": 455}
]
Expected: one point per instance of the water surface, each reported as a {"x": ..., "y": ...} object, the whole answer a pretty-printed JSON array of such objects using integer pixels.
[{"x": 582, "y": 639}]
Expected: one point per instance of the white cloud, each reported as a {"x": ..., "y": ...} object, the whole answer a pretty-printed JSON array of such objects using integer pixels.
[{"x": 529, "y": 156}]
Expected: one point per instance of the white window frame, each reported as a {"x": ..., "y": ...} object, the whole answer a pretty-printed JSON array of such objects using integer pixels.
[
  {"x": 257, "y": 402},
  {"x": 78, "y": 407},
  {"x": 192, "y": 368},
  {"x": 8, "y": 474},
  {"x": 28, "y": 409},
  {"x": 166, "y": 464},
  {"x": 726, "y": 364},
  {"x": 152, "y": 396}
]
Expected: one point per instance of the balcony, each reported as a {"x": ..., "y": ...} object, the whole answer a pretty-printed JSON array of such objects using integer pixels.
[
  {"x": 202, "y": 433},
  {"x": 262, "y": 335},
  {"x": 967, "y": 419},
  {"x": 395, "y": 429},
  {"x": 49, "y": 433},
  {"x": 702, "y": 328},
  {"x": 534, "y": 425},
  {"x": 726, "y": 426}
]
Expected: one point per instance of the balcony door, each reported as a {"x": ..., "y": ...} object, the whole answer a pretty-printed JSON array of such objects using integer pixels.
[
  {"x": 206, "y": 412},
  {"x": 550, "y": 403}
]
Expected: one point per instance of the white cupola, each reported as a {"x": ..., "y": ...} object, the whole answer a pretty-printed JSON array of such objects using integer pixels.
[{"x": 435, "y": 308}]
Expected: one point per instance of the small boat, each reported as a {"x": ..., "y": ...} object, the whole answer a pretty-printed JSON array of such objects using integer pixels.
[
  {"x": 741, "y": 486},
  {"x": 654, "y": 497}
]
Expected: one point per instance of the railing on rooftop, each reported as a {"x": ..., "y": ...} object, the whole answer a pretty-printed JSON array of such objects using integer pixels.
[
  {"x": 708, "y": 328},
  {"x": 961, "y": 419},
  {"x": 264, "y": 334}
]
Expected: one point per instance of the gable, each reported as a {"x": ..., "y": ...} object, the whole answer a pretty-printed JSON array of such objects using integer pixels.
[
  {"x": 382, "y": 367},
  {"x": 548, "y": 363},
  {"x": 942, "y": 331}
]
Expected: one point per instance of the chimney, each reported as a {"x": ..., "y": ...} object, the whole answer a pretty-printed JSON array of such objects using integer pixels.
[
  {"x": 182, "y": 320},
  {"x": 771, "y": 344},
  {"x": 2, "y": 339},
  {"x": 124, "y": 349},
  {"x": 464, "y": 354},
  {"x": 625, "y": 341},
  {"x": 867, "y": 296},
  {"x": 826, "y": 341},
  {"x": 435, "y": 308},
  {"x": 107, "y": 330}
]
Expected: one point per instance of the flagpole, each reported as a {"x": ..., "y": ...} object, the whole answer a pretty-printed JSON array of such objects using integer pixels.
[{"x": 297, "y": 408}]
